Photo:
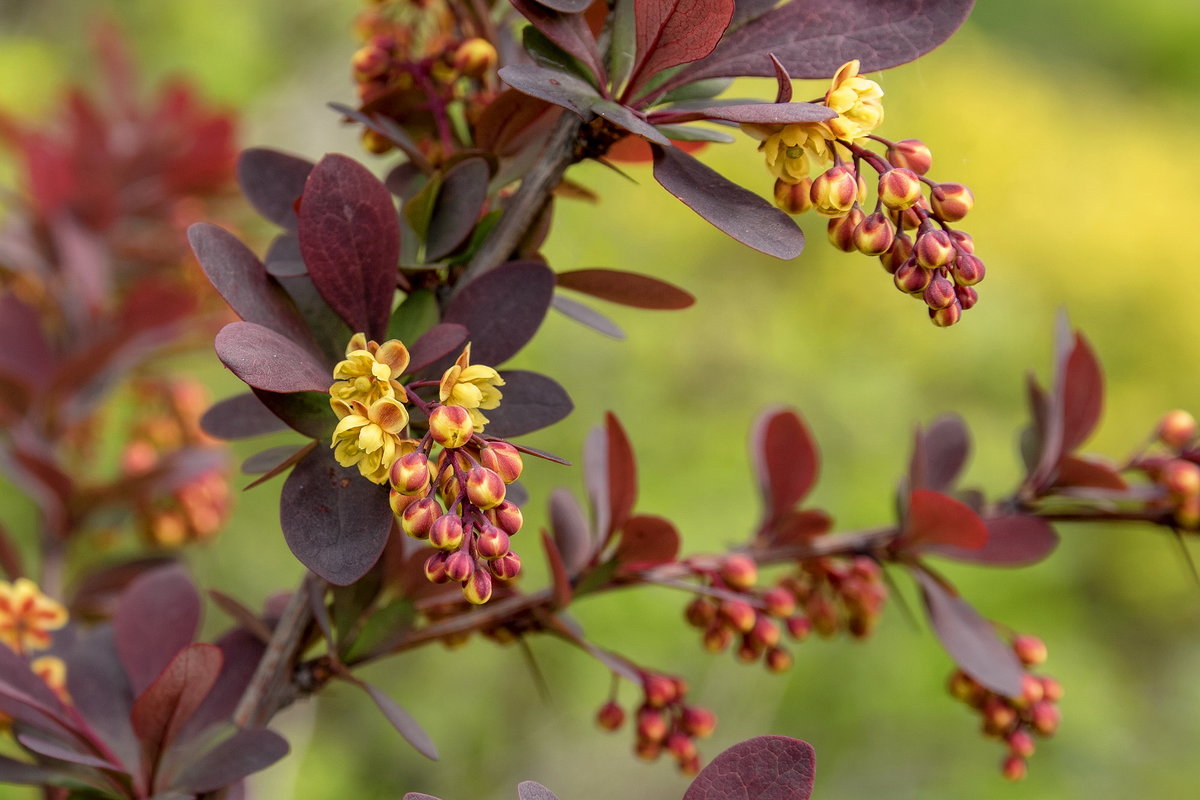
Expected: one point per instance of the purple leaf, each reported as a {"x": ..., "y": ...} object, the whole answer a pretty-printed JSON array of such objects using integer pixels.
[
  {"x": 273, "y": 461},
  {"x": 940, "y": 454},
  {"x": 22, "y": 774},
  {"x": 595, "y": 474},
  {"x": 1080, "y": 471},
  {"x": 738, "y": 212},
  {"x": 935, "y": 519},
  {"x": 969, "y": 638},
  {"x": 674, "y": 32},
  {"x": 242, "y": 754},
  {"x": 623, "y": 117},
  {"x": 161, "y": 711},
  {"x": 567, "y": 6},
  {"x": 646, "y": 541},
  {"x": 267, "y": 360},
  {"x": 1017, "y": 540},
  {"x": 457, "y": 208},
  {"x": 241, "y": 651},
  {"x": 419, "y": 796},
  {"x": 502, "y": 309},
  {"x": 560, "y": 581},
  {"x": 306, "y": 412},
  {"x": 621, "y": 467},
  {"x": 273, "y": 182},
  {"x": 560, "y": 88},
  {"x": 350, "y": 240},
  {"x": 402, "y": 721},
  {"x": 746, "y": 10},
  {"x": 283, "y": 259},
  {"x": 813, "y": 38},
  {"x": 24, "y": 344},
  {"x": 531, "y": 402},
  {"x": 763, "y": 113},
  {"x": 240, "y": 417},
  {"x": 99, "y": 688},
  {"x": 436, "y": 344},
  {"x": 586, "y": 315},
  {"x": 785, "y": 460},
  {"x": 762, "y": 768},
  {"x": 626, "y": 288},
  {"x": 568, "y": 30},
  {"x": 532, "y": 790},
  {"x": 334, "y": 520},
  {"x": 25, "y": 697},
  {"x": 156, "y": 617},
  {"x": 1082, "y": 394},
  {"x": 51, "y": 749},
  {"x": 572, "y": 536},
  {"x": 242, "y": 280}
]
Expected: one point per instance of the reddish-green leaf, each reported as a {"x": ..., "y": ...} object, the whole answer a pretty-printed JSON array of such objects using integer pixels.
[
  {"x": 936, "y": 519},
  {"x": 350, "y": 240},
  {"x": 626, "y": 288},
  {"x": 738, "y": 212},
  {"x": 762, "y": 768},
  {"x": 156, "y": 617},
  {"x": 1079, "y": 471},
  {"x": 267, "y": 360},
  {"x": 795, "y": 527},
  {"x": 169, "y": 702},
  {"x": 242, "y": 754},
  {"x": 646, "y": 541},
  {"x": 502, "y": 309},
  {"x": 1016, "y": 540},
  {"x": 531, "y": 402},
  {"x": 512, "y": 120},
  {"x": 939, "y": 454},
  {"x": 273, "y": 181},
  {"x": 52, "y": 749},
  {"x": 569, "y": 31},
  {"x": 674, "y": 32},
  {"x": 785, "y": 459},
  {"x": 334, "y": 520}
]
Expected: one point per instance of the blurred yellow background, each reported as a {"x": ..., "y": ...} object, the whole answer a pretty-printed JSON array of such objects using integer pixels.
[{"x": 1076, "y": 124}]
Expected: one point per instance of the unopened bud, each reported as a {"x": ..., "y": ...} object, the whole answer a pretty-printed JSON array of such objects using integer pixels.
[
  {"x": 370, "y": 61},
  {"x": 474, "y": 57},
  {"x": 939, "y": 293},
  {"x": 647, "y": 750},
  {"x": 951, "y": 201},
  {"x": 717, "y": 638},
  {"x": 419, "y": 517},
  {"x": 680, "y": 745},
  {"x": 874, "y": 235},
  {"x": 911, "y": 278},
  {"x": 611, "y": 716},
  {"x": 897, "y": 254},
  {"x": 835, "y": 191},
  {"x": 447, "y": 532},
  {"x": 450, "y": 426},
  {"x": 963, "y": 687},
  {"x": 1030, "y": 649},
  {"x": 503, "y": 459},
  {"x": 1182, "y": 478},
  {"x": 1177, "y": 429},
  {"x": 748, "y": 651},
  {"x": 911, "y": 154},
  {"x": 914, "y": 217},
  {"x": 963, "y": 241},
  {"x": 1020, "y": 743},
  {"x": 478, "y": 589},
  {"x": 998, "y": 717},
  {"x": 841, "y": 230},
  {"x": 934, "y": 249},
  {"x": 485, "y": 489},
  {"x": 651, "y": 724},
  {"x": 799, "y": 627},
  {"x": 765, "y": 632},
  {"x": 1044, "y": 717},
  {"x": 492, "y": 542},
  {"x": 1031, "y": 691},
  {"x": 506, "y": 567},
  {"x": 1052, "y": 690},
  {"x": 1013, "y": 768},
  {"x": 738, "y": 571},
  {"x": 739, "y": 614},
  {"x": 945, "y": 317},
  {"x": 508, "y": 517},
  {"x": 435, "y": 567},
  {"x": 1187, "y": 513},
  {"x": 967, "y": 270},
  {"x": 967, "y": 296},
  {"x": 899, "y": 189},
  {"x": 460, "y": 566},
  {"x": 779, "y": 602},
  {"x": 794, "y": 198},
  {"x": 410, "y": 473},
  {"x": 778, "y": 660},
  {"x": 700, "y": 613},
  {"x": 375, "y": 142},
  {"x": 659, "y": 690},
  {"x": 697, "y": 722}
]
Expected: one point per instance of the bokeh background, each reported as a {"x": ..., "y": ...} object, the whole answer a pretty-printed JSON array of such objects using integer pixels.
[{"x": 1077, "y": 126}]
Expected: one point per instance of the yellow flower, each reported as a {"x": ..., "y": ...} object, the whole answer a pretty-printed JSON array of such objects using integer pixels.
[
  {"x": 370, "y": 371},
  {"x": 53, "y": 672},
  {"x": 472, "y": 386},
  {"x": 369, "y": 436},
  {"x": 27, "y": 616},
  {"x": 858, "y": 102}
]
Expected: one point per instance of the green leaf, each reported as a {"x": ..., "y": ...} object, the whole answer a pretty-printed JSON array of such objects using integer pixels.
[
  {"x": 418, "y": 313},
  {"x": 700, "y": 90},
  {"x": 383, "y": 630},
  {"x": 622, "y": 49},
  {"x": 419, "y": 210},
  {"x": 690, "y": 133}
]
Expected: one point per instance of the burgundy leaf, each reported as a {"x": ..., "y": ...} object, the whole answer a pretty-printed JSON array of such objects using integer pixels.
[
  {"x": 24, "y": 344},
  {"x": 22, "y": 774},
  {"x": 674, "y": 32},
  {"x": 1016, "y": 540},
  {"x": 934, "y": 518},
  {"x": 815, "y": 37},
  {"x": 51, "y": 749},
  {"x": 306, "y": 412},
  {"x": 242, "y": 754},
  {"x": 560, "y": 581},
  {"x": 738, "y": 212},
  {"x": 623, "y": 117},
  {"x": 242, "y": 280},
  {"x": 560, "y": 88},
  {"x": 531, "y": 402},
  {"x": 460, "y": 201},
  {"x": 350, "y": 240},
  {"x": 99, "y": 689},
  {"x": 169, "y": 702},
  {"x": 275, "y": 461},
  {"x": 621, "y": 467},
  {"x": 795, "y": 527},
  {"x": 283, "y": 259},
  {"x": 783, "y": 92},
  {"x": 1083, "y": 394},
  {"x": 586, "y": 315},
  {"x": 512, "y": 120},
  {"x": 626, "y": 288},
  {"x": 241, "y": 650},
  {"x": 572, "y": 536},
  {"x": 273, "y": 182},
  {"x": 267, "y": 360},
  {"x": 762, "y": 113},
  {"x": 785, "y": 459},
  {"x": 436, "y": 344},
  {"x": 568, "y": 30},
  {"x": 762, "y": 768},
  {"x": 246, "y": 619},
  {"x": 97, "y": 590},
  {"x": 940, "y": 454},
  {"x": 646, "y": 541},
  {"x": 156, "y": 617},
  {"x": 1079, "y": 471},
  {"x": 969, "y": 638},
  {"x": 25, "y": 697},
  {"x": 746, "y": 10},
  {"x": 419, "y": 796},
  {"x": 532, "y": 790},
  {"x": 240, "y": 417},
  {"x": 567, "y": 6},
  {"x": 334, "y": 520},
  {"x": 402, "y": 721},
  {"x": 502, "y": 309}
]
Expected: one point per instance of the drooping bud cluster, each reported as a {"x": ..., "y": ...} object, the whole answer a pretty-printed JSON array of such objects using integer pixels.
[
  {"x": 1177, "y": 472},
  {"x": 935, "y": 262},
  {"x": 663, "y": 722},
  {"x": 168, "y": 420},
  {"x": 1014, "y": 720}
]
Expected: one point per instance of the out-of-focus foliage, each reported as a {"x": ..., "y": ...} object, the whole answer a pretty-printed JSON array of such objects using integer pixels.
[{"x": 1074, "y": 125}]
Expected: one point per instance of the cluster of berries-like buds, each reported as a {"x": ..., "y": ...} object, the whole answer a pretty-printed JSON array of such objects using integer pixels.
[
  {"x": 663, "y": 722},
  {"x": 1015, "y": 720},
  {"x": 1177, "y": 472}
]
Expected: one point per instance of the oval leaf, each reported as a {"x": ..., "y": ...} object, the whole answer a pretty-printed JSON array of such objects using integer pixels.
[
  {"x": 1017, "y": 540},
  {"x": 436, "y": 344},
  {"x": 568, "y": 30},
  {"x": 762, "y": 768},
  {"x": 785, "y": 459},
  {"x": 402, "y": 721},
  {"x": 939, "y": 454},
  {"x": 273, "y": 181},
  {"x": 532, "y": 790},
  {"x": 674, "y": 32},
  {"x": 350, "y": 240},
  {"x": 732, "y": 209},
  {"x": 531, "y": 402},
  {"x": 240, "y": 417},
  {"x": 646, "y": 541},
  {"x": 586, "y": 315},
  {"x": 305, "y": 412},
  {"x": 244, "y": 753},
  {"x": 626, "y": 288},
  {"x": 334, "y": 520},
  {"x": 1083, "y": 394},
  {"x": 621, "y": 469},
  {"x": 266, "y": 360},
  {"x": 169, "y": 702},
  {"x": 762, "y": 113},
  {"x": 572, "y": 536},
  {"x": 934, "y": 518},
  {"x": 560, "y": 88},
  {"x": 456, "y": 210},
  {"x": 502, "y": 309},
  {"x": 156, "y": 617}
]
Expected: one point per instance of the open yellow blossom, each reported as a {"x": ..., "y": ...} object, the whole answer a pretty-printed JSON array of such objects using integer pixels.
[
  {"x": 27, "y": 616},
  {"x": 369, "y": 436},
  {"x": 790, "y": 149},
  {"x": 858, "y": 102},
  {"x": 472, "y": 386},
  {"x": 370, "y": 371}
]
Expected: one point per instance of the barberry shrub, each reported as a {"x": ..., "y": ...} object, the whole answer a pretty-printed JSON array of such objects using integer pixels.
[{"x": 378, "y": 328}]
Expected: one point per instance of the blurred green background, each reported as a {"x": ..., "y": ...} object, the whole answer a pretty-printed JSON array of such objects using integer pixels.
[{"x": 1075, "y": 123}]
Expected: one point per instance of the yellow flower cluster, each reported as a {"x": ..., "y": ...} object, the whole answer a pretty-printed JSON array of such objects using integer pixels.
[
  {"x": 369, "y": 402},
  {"x": 471, "y": 386},
  {"x": 27, "y": 616}
]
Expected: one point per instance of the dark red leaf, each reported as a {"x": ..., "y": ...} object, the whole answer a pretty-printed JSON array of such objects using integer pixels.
[
  {"x": 169, "y": 702},
  {"x": 334, "y": 520},
  {"x": 273, "y": 182},
  {"x": 96, "y": 593},
  {"x": 559, "y": 579},
  {"x": 306, "y": 412},
  {"x": 785, "y": 459},
  {"x": 969, "y": 638},
  {"x": 1016, "y": 540},
  {"x": 572, "y": 536},
  {"x": 51, "y": 749},
  {"x": 436, "y": 344},
  {"x": 586, "y": 315},
  {"x": 762, "y": 768},
  {"x": 738, "y": 212},
  {"x": 624, "y": 118},
  {"x": 157, "y": 616},
  {"x": 456, "y": 210},
  {"x": 242, "y": 280},
  {"x": 242, "y": 754},
  {"x": 241, "y": 650},
  {"x": 939, "y": 454},
  {"x": 567, "y": 6},
  {"x": 402, "y": 721},
  {"x": 25, "y": 697},
  {"x": 240, "y": 417},
  {"x": 532, "y": 790},
  {"x": 595, "y": 473},
  {"x": 512, "y": 121},
  {"x": 1079, "y": 471},
  {"x": 350, "y": 240},
  {"x": 275, "y": 461},
  {"x": 626, "y": 288},
  {"x": 621, "y": 472},
  {"x": 674, "y": 32},
  {"x": 531, "y": 402},
  {"x": 796, "y": 527},
  {"x": 99, "y": 689},
  {"x": 1083, "y": 394},
  {"x": 24, "y": 345},
  {"x": 266, "y": 360},
  {"x": 934, "y": 518},
  {"x": 22, "y": 774},
  {"x": 502, "y": 309},
  {"x": 783, "y": 91},
  {"x": 813, "y": 38},
  {"x": 646, "y": 541},
  {"x": 763, "y": 113},
  {"x": 554, "y": 86},
  {"x": 567, "y": 30}
]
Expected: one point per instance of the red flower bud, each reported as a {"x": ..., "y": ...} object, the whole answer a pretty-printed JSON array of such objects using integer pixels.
[
  {"x": 963, "y": 241},
  {"x": 508, "y": 517},
  {"x": 951, "y": 201},
  {"x": 659, "y": 690},
  {"x": 967, "y": 296},
  {"x": 841, "y": 230},
  {"x": 700, "y": 613},
  {"x": 419, "y": 517},
  {"x": 450, "y": 426},
  {"x": 945, "y": 317},
  {"x": 459, "y": 566},
  {"x": 765, "y": 632},
  {"x": 503, "y": 459},
  {"x": 967, "y": 270},
  {"x": 447, "y": 532},
  {"x": 611, "y": 716},
  {"x": 410, "y": 474},
  {"x": 779, "y": 602},
  {"x": 799, "y": 627},
  {"x": 435, "y": 568},
  {"x": 1030, "y": 649},
  {"x": 370, "y": 61},
  {"x": 506, "y": 567},
  {"x": 1013, "y": 768},
  {"x": 939, "y": 293},
  {"x": 835, "y": 191},
  {"x": 911, "y": 154},
  {"x": 680, "y": 745},
  {"x": 794, "y": 198},
  {"x": 492, "y": 542},
  {"x": 899, "y": 189},
  {"x": 874, "y": 235},
  {"x": 1177, "y": 429},
  {"x": 739, "y": 614},
  {"x": 474, "y": 57},
  {"x": 478, "y": 589},
  {"x": 717, "y": 638},
  {"x": 778, "y": 660},
  {"x": 697, "y": 722},
  {"x": 911, "y": 278},
  {"x": 738, "y": 571},
  {"x": 934, "y": 249},
  {"x": 897, "y": 254},
  {"x": 1044, "y": 718},
  {"x": 485, "y": 489},
  {"x": 651, "y": 724},
  {"x": 1020, "y": 743}
]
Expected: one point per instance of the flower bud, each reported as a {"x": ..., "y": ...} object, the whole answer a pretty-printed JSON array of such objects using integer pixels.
[
  {"x": 934, "y": 249},
  {"x": 1176, "y": 429},
  {"x": 659, "y": 690},
  {"x": 1014, "y": 768},
  {"x": 611, "y": 716},
  {"x": 899, "y": 189},
  {"x": 1020, "y": 743},
  {"x": 447, "y": 532},
  {"x": 1044, "y": 718},
  {"x": 911, "y": 154},
  {"x": 651, "y": 724},
  {"x": 911, "y": 278},
  {"x": 1187, "y": 513},
  {"x": 963, "y": 241},
  {"x": 824, "y": 616},
  {"x": 478, "y": 589},
  {"x": 967, "y": 270},
  {"x": 765, "y": 632},
  {"x": 474, "y": 57},
  {"x": 506, "y": 567},
  {"x": 835, "y": 191},
  {"x": 375, "y": 142},
  {"x": 410, "y": 474},
  {"x": 459, "y": 566},
  {"x": 911, "y": 218},
  {"x": 998, "y": 717},
  {"x": 370, "y": 61},
  {"x": 419, "y": 517},
  {"x": 967, "y": 296},
  {"x": 435, "y": 568},
  {"x": 778, "y": 660},
  {"x": 492, "y": 542},
  {"x": 951, "y": 201},
  {"x": 1030, "y": 649},
  {"x": 699, "y": 613},
  {"x": 739, "y": 614},
  {"x": 647, "y": 750},
  {"x": 794, "y": 198},
  {"x": 485, "y": 489},
  {"x": 1031, "y": 690},
  {"x": 717, "y": 638},
  {"x": 738, "y": 571},
  {"x": 1182, "y": 478},
  {"x": 697, "y": 722},
  {"x": 450, "y": 426},
  {"x": 503, "y": 459},
  {"x": 508, "y": 517},
  {"x": 799, "y": 627},
  {"x": 945, "y": 317},
  {"x": 874, "y": 235},
  {"x": 748, "y": 651},
  {"x": 897, "y": 254},
  {"x": 399, "y": 502},
  {"x": 1052, "y": 690},
  {"x": 681, "y": 746},
  {"x": 779, "y": 602},
  {"x": 841, "y": 230},
  {"x": 939, "y": 293},
  {"x": 963, "y": 687}
]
